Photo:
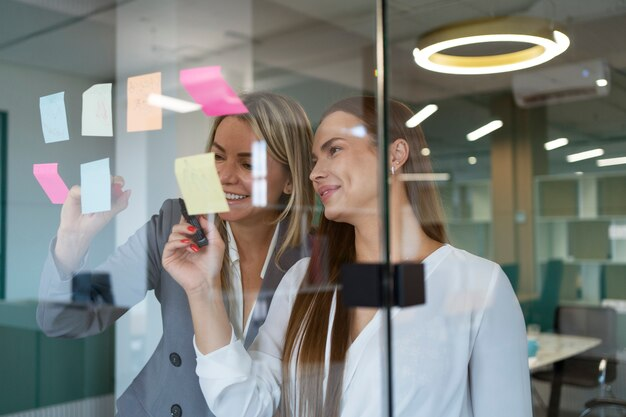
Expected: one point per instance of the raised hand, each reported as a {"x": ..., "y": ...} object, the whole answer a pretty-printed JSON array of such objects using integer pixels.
[
  {"x": 77, "y": 230},
  {"x": 195, "y": 269}
]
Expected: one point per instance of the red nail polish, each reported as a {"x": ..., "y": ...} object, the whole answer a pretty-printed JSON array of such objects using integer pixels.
[
  {"x": 191, "y": 228},
  {"x": 194, "y": 248},
  {"x": 185, "y": 241}
]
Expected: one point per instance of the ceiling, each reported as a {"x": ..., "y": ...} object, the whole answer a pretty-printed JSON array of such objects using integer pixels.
[
  {"x": 333, "y": 42},
  {"x": 346, "y": 30}
]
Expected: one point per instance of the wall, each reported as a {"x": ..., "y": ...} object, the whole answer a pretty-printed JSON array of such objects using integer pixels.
[{"x": 31, "y": 219}]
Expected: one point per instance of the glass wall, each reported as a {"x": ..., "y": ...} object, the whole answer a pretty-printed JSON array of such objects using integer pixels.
[
  {"x": 550, "y": 216},
  {"x": 398, "y": 265}
]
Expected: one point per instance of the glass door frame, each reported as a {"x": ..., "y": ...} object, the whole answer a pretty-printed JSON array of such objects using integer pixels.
[
  {"x": 3, "y": 199},
  {"x": 382, "y": 111}
]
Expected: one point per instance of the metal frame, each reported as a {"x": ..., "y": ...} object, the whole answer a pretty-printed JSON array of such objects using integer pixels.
[
  {"x": 382, "y": 109},
  {"x": 3, "y": 199}
]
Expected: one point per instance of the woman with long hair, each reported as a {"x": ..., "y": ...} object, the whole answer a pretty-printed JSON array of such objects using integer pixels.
[
  {"x": 258, "y": 244},
  {"x": 463, "y": 353}
]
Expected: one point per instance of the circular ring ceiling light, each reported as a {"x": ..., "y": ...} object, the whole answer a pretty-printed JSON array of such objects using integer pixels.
[{"x": 539, "y": 36}]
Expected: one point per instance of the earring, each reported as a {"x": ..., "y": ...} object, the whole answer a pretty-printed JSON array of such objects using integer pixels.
[{"x": 393, "y": 170}]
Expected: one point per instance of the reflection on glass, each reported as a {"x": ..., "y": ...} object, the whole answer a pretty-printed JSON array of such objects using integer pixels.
[
  {"x": 555, "y": 227},
  {"x": 163, "y": 255}
]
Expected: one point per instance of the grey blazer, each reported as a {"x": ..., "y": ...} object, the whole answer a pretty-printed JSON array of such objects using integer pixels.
[{"x": 167, "y": 385}]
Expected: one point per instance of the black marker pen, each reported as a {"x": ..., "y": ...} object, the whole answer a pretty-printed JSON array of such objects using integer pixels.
[{"x": 199, "y": 237}]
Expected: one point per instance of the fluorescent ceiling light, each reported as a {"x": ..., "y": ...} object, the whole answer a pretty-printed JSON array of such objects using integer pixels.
[
  {"x": 444, "y": 176},
  {"x": 602, "y": 82},
  {"x": 485, "y": 130},
  {"x": 556, "y": 143},
  {"x": 545, "y": 44},
  {"x": 421, "y": 115},
  {"x": 594, "y": 153},
  {"x": 173, "y": 104},
  {"x": 611, "y": 161}
]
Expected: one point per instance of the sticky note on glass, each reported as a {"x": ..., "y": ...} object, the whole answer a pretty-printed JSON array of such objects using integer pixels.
[
  {"x": 95, "y": 186},
  {"x": 200, "y": 184},
  {"x": 53, "y": 118},
  {"x": 259, "y": 173},
  {"x": 97, "y": 111},
  {"x": 259, "y": 192},
  {"x": 53, "y": 185},
  {"x": 141, "y": 116},
  {"x": 209, "y": 89}
]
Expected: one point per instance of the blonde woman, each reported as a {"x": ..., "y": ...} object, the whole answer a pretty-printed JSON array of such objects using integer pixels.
[
  {"x": 463, "y": 353},
  {"x": 257, "y": 245}
]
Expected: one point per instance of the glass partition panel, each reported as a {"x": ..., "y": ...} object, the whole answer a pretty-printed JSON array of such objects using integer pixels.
[
  {"x": 269, "y": 208},
  {"x": 507, "y": 185},
  {"x": 120, "y": 111}
]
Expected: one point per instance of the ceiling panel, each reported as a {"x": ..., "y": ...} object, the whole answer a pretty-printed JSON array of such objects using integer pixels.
[{"x": 334, "y": 42}]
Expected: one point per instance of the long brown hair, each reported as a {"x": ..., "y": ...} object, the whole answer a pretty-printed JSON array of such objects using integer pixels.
[{"x": 306, "y": 335}]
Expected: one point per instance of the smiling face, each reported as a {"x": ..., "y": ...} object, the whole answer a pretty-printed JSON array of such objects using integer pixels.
[
  {"x": 232, "y": 146},
  {"x": 346, "y": 168}
]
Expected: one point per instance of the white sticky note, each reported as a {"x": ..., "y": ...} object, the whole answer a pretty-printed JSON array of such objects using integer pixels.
[
  {"x": 259, "y": 173},
  {"x": 259, "y": 192},
  {"x": 97, "y": 111},
  {"x": 53, "y": 118},
  {"x": 259, "y": 159},
  {"x": 95, "y": 186}
]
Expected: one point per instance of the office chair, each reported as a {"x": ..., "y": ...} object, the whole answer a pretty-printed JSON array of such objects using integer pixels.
[
  {"x": 512, "y": 272},
  {"x": 606, "y": 401},
  {"x": 601, "y": 405},
  {"x": 542, "y": 311},
  {"x": 582, "y": 370}
]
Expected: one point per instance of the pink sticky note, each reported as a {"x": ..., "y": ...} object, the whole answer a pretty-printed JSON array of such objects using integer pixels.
[
  {"x": 48, "y": 177},
  {"x": 209, "y": 89}
]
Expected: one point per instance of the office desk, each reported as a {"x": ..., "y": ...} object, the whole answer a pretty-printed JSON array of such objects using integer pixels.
[{"x": 556, "y": 347}]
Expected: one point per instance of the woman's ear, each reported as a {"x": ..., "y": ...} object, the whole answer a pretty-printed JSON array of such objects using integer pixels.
[
  {"x": 288, "y": 189},
  {"x": 399, "y": 153}
]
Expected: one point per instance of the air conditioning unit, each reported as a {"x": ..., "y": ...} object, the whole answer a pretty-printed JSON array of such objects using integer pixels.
[{"x": 561, "y": 84}]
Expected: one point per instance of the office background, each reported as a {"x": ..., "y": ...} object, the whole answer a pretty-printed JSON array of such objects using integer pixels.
[{"x": 507, "y": 197}]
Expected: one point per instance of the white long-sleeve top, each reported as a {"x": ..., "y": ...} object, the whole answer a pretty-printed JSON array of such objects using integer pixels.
[{"x": 463, "y": 353}]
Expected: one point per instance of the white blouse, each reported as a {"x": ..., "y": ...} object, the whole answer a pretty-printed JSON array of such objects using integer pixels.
[
  {"x": 463, "y": 353},
  {"x": 235, "y": 310}
]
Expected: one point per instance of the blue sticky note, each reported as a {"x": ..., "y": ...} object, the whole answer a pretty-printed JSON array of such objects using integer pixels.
[
  {"x": 53, "y": 117},
  {"x": 95, "y": 186}
]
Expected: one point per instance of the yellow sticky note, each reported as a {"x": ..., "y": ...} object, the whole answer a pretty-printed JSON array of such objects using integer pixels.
[
  {"x": 140, "y": 115},
  {"x": 200, "y": 184}
]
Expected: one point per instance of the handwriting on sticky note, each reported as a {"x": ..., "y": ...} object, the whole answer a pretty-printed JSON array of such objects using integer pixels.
[
  {"x": 97, "y": 116},
  {"x": 95, "y": 186},
  {"x": 141, "y": 116},
  {"x": 53, "y": 185},
  {"x": 53, "y": 118},
  {"x": 200, "y": 184},
  {"x": 208, "y": 88}
]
